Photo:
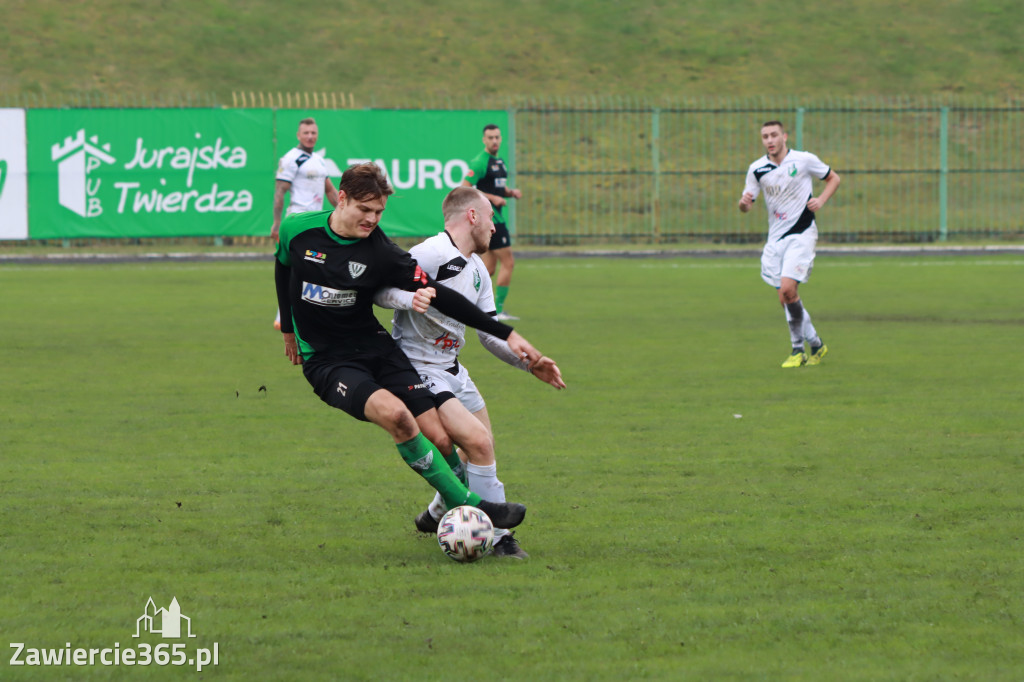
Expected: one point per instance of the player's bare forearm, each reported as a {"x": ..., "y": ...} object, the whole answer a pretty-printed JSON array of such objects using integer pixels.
[
  {"x": 278, "y": 208},
  {"x": 495, "y": 199},
  {"x": 330, "y": 192},
  {"x": 523, "y": 349},
  {"x": 831, "y": 185}
]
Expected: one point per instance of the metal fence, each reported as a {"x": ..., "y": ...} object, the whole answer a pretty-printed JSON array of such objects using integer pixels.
[
  {"x": 626, "y": 170},
  {"x": 605, "y": 171}
]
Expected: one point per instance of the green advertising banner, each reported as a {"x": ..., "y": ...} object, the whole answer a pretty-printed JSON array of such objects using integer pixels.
[
  {"x": 424, "y": 153},
  {"x": 114, "y": 173},
  {"x": 131, "y": 173}
]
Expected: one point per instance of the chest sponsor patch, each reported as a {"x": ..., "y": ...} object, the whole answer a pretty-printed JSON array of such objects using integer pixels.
[
  {"x": 315, "y": 256},
  {"x": 327, "y": 297}
]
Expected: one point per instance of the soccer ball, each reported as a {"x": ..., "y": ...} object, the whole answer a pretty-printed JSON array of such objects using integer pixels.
[{"x": 465, "y": 534}]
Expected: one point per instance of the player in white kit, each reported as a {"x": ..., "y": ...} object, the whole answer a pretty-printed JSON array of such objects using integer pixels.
[
  {"x": 784, "y": 175},
  {"x": 302, "y": 173},
  {"x": 432, "y": 342}
]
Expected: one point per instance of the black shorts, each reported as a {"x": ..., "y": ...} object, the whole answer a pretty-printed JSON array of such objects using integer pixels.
[
  {"x": 347, "y": 382},
  {"x": 501, "y": 239}
]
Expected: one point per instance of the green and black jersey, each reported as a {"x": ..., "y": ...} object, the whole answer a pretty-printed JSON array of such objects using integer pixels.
[
  {"x": 489, "y": 175},
  {"x": 326, "y": 284}
]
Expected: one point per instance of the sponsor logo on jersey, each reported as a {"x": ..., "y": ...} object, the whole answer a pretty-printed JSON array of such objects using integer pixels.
[
  {"x": 446, "y": 342},
  {"x": 452, "y": 268},
  {"x": 329, "y": 298},
  {"x": 415, "y": 386},
  {"x": 315, "y": 256},
  {"x": 355, "y": 269},
  {"x": 763, "y": 171}
]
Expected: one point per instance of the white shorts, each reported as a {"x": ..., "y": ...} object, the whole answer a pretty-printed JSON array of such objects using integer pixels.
[
  {"x": 439, "y": 380},
  {"x": 791, "y": 257}
]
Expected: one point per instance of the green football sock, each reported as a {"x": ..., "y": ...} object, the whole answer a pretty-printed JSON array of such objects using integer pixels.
[
  {"x": 455, "y": 462},
  {"x": 500, "y": 293},
  {"x": 420, "y": 454}
]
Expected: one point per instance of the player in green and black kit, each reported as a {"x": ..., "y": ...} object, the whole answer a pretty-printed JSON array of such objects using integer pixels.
[
  {"x": 488, "y": 174},
  {"x": 329, "y": 264}
]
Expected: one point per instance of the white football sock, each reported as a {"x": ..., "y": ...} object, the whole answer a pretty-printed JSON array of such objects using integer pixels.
[
  {"x": 437, "y": 507},
  {"x": 795, "y": 320},
  {"x": 810, "y": 333},
  {"x": 483, "y": 480}
]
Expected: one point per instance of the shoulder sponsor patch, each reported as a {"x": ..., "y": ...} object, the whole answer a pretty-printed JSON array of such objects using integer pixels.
[{"x": 451, "y": 269}]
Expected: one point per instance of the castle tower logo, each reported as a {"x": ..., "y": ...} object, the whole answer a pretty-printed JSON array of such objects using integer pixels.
[
  {"x": 165, "y": 622},
  {"x": 76, "y": 158}
]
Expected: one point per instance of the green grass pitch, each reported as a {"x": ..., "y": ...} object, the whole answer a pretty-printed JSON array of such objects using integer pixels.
[{"x": 695, "y": 512}]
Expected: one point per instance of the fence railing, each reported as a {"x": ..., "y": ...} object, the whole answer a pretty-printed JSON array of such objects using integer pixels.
[
  {"x": 614, "y": 170},
  {"x": 629, "y": 170}
]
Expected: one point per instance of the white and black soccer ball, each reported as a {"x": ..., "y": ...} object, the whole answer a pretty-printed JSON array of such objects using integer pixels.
[{"x": 465, "y": 534}]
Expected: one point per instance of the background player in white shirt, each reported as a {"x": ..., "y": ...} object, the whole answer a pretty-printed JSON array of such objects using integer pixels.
[
  {"x": 432, "y": 342},
  {"x": 303, "y": 173},
  {"x": 784, "y": 176}
]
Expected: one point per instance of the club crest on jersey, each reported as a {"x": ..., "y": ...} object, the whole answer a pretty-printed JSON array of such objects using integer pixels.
[
  {"x": 792, "y": 170},
  {"x": 476, "y": 280},
  {"x": 315, "y": 256},
  {"x": 355, "y": 269}
]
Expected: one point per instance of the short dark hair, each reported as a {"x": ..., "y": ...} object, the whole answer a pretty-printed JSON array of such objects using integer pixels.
[
  {"x": 491, "y": 126},
  {"x": 458, "y": 200},
  {"x": 363, "y": 181},
  {"x": 774, "y": 123},
  {"x": 307, "y": 122}
]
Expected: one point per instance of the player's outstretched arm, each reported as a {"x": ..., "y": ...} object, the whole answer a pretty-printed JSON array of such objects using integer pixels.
[{"x": 544, "y": 369}]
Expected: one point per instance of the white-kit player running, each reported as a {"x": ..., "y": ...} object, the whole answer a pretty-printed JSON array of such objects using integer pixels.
[
  {"x": 304, "y": 174},
  {"x": 784, "y": 176},
  {"x": 432, "y": 342}
]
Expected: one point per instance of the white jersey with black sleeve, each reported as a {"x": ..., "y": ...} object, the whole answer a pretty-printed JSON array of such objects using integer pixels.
[
  {"x": 787, "y": 187},
  {"x": 435, "y": 338},
  {"x": 307, "y": 172}
]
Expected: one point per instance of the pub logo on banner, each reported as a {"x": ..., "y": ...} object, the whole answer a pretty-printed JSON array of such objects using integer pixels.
[
  {"x": 157, "y": 178},
  {"x": 76, "y": 159}
]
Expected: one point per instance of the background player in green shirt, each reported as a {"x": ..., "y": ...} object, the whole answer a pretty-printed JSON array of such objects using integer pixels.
[
  {"x": 487, "y": 172},
  {"x": 329, "y": 265}
]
